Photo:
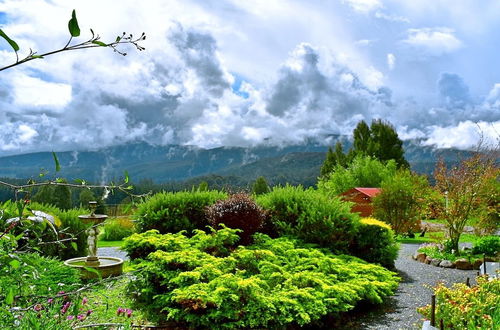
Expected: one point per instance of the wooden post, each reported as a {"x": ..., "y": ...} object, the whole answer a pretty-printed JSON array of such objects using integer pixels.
[
  {"x": 441, "y": 324},
  {"x": 484, "y": 263},
  {"x": 467, "y": 282},
  {"x": 433, "y": 310}
]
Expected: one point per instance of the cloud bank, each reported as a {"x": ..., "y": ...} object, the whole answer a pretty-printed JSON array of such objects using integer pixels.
[{"x": 192, "y": 86}]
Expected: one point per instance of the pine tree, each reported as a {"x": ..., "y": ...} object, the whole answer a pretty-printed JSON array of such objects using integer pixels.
[
  {"x": 387, "y": 144},
  {"x": 260, "y": 186},
  {"x": 380, "y": 141},
  {"x": 328, "y": 164}
]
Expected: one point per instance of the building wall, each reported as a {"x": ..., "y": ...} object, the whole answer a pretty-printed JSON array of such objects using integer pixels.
[{"x": 362, "y": 203}]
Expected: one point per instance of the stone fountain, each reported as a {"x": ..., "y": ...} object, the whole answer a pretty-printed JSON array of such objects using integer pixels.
[{"x": 105, "y": 266}]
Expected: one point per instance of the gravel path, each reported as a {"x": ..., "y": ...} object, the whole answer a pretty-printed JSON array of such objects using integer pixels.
[
  {"x": 112, "y": 252},
  {"x": 399, "y": 312}
]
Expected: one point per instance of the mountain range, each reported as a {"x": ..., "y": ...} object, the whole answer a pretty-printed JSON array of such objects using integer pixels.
[{"x": 296, "y": 164}]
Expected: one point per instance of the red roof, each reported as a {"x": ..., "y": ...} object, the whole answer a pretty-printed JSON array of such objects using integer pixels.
[{"x": 372, "y": 192}]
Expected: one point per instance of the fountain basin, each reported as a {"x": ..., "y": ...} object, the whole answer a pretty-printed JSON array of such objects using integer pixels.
[{"x": 107, "y": 266}]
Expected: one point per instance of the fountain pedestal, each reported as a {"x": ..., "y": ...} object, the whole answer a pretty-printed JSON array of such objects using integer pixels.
[{"x": 105, "y": 266}]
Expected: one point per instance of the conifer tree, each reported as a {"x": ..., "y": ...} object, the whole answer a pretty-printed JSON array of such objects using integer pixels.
[{"x": 260, "y": 186}]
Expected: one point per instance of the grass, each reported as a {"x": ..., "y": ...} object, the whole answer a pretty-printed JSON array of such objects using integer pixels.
[
  {"x": 436, "y": 237},
  {"x": 105, "y": 300},
  {"x": 109, "y": 244}
]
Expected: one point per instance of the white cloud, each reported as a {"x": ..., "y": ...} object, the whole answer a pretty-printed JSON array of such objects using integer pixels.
[
  {"x": 392, "y": 18},
  {"x": 391, "y": 61},
  {"x": 26, "y": 133},
  {"x": 433, "y": 41},
  {"x": 364, "y": 6},
  {"x": 303, "y": 80},
  {"x": 465, "y": 135},
  {"x": 35, "y": 92}
]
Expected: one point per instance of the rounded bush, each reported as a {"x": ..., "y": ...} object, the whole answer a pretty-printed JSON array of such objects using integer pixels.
[
  {"x": 375, "y": 243},
  {"x": 239, "y": 211},
  {"x": 489, "y": 245},
  {"x": 116, "y": 229},
  {"x": 310, "y": 216},
  {"x": 170, "y": 212}
]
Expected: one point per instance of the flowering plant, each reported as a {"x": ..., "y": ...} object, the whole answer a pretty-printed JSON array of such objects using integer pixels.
[{"x": 465, "y": 307}]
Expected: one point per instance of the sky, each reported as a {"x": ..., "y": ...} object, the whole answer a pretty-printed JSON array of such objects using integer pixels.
[{"x": 246, "y": 73}]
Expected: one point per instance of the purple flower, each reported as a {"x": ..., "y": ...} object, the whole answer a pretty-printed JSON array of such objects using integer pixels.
[
  {"x": 38, "y": 307},
  {"x": 70, "y": 317},
  {"x": 89, "y": 312},
  {"x": 65, "y": 307},
  {"x": 129, "y": 312},
  {"x": 80, "y": 317},
  {"x": 50, "y": 300},
  {"x": 84, "y": 301},
  {"x": 120, "y": 310}
]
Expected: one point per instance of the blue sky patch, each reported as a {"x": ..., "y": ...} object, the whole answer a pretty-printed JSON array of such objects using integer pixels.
[{"x": 235, "y": 87}]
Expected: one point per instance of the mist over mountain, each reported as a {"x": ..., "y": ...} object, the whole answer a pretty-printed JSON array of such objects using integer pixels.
[{"x": 296, "y": 164}]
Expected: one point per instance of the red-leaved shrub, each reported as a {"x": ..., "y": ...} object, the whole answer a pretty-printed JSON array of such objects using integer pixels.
[{"x": 239, "y": 211}]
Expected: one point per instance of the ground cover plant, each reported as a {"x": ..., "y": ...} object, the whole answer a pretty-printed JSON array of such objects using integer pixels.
[
  {"x": 488, "y": 246},
  {"x": 463, "y": 307},
  {"x": 206, "y": 281}
]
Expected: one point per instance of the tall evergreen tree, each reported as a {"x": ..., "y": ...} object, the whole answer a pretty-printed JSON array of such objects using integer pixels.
[
  {"x": 362, "y": 139},
  {"x": 328, "y": 164},
  {"x": 260, "y": 186},
  {"x": 380, "y": 141},
  {"x": 387, "y": 144}
]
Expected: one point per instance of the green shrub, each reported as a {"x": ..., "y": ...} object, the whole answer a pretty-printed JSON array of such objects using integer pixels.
[
  {"x": 310, "y": 216},
  {"x": 172, "y": 212},
  {"x": 139, "y": 246},
  {"x": 375, "y": 243},
  {"x": 489, "y": 245},
  {"x": 461, "y": 307},
  {"x": 116, "y": 229},
  {"x": 271, "y": 284},
  {"x": 38, "y": 234},
  {"x": 71, "y": 227},
  {"x": 238, "y": 211}
]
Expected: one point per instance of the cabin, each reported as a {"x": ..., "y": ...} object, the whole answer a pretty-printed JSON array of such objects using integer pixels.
[{"x": 362, "y": 199}]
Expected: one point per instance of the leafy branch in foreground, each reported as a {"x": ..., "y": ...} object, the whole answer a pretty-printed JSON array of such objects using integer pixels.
[{"x": 74, "y": 30}]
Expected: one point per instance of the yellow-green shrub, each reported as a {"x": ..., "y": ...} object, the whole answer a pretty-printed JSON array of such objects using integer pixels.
[
  {"x": 270, "y": 284},
  {"x": 375, "y": 242}
]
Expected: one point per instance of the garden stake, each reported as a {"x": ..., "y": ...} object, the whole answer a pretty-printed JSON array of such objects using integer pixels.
[
  {"x": 441, "y": 324},
  {"x": 484, "y": 263},
  {"x": 433, "y": 310},
  {"x": 467, "y": 282}
]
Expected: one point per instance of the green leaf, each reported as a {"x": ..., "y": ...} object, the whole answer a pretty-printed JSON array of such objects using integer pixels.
[
  {"x": 37, "y": 56},
  {"x": 11, "y": 42},
  {"x": 100, "y": 43},
  {"x": 74, "y": 246},
  {"x": 126, "y": 177},
  {"x": 9, "y": 299},
  {"x": 118, "y": 39},
  {"x": 73, "y": 27},
  {"x": 56, "y": 161},
  {"x": 93, "y": 270},
  {"x": 14, "y": 264}
]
